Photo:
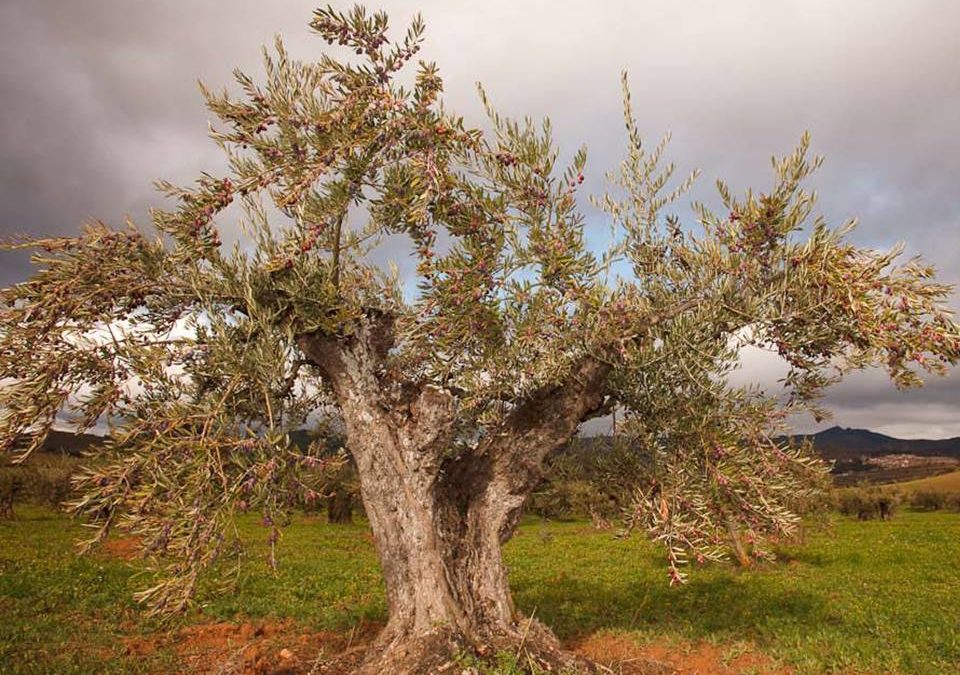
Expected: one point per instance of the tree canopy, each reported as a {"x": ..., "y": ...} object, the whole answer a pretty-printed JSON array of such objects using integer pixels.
[{"x": 517, "y": 324}]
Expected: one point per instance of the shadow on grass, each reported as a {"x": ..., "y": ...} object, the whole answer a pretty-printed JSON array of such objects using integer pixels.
[
  {"x": 804, "y": 556},
  {"x": 720, "y": 607}
]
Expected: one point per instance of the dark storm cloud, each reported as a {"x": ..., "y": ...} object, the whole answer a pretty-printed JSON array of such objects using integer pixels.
[
  {"x": 868, "y": 399},
  {"x": 99, "y": 98}
]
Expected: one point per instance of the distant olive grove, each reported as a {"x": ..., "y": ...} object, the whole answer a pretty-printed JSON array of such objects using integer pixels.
[{"x": 591, "y": 478}]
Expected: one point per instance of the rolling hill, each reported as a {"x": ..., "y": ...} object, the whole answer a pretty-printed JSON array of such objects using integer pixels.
[
  {"x": 839, "y": 443},
  {"x": 946, "y": 482}
]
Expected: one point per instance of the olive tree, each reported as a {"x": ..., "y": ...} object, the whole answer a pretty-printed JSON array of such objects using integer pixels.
[{"x": 451, "y": 394}]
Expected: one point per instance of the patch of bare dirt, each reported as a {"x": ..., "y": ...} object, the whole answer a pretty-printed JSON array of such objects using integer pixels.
[
  {"x": 258, "y": 648},
  {"x": 286, "y": 648},
  {"x": 122, "y": 548},
  {"x": 624, "y": 656}
]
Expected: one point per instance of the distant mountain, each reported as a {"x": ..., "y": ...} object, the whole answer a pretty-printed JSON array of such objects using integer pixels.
[
  {"x": 75, "y": 444},
  {"x": 835, "y": 443},
  {"x": 839, "y": 443},
  {"x": 855, "y": 454},
  {"x": 69, "y": 442}
]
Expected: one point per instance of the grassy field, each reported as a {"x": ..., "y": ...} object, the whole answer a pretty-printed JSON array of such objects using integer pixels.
[
  {"x": 873, "y": 597},
  {"x": 948, "y": 482}
]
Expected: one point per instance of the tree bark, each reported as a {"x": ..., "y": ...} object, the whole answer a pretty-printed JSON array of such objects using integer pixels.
[{"x": 440, "y": 518}]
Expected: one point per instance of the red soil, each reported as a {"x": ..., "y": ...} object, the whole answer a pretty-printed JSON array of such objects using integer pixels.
[
  {"x": 123, "y": 548},
  {"x": 624, "y": 656},
  {"x": 284, "y": 648},
  {"x": 258, "y": 648}
]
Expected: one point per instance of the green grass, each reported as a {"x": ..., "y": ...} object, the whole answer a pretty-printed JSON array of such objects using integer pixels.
[
  {"x": 874, "y": 596},
  {"x": 877, "y": 596}
]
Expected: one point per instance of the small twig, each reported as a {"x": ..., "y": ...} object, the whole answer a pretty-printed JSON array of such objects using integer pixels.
[
  {"x": 353, "y": 632},
  {"x": 523, "y": 638}
]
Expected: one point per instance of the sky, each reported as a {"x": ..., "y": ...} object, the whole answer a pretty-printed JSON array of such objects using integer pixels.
[{"x": 100, "y": 98}]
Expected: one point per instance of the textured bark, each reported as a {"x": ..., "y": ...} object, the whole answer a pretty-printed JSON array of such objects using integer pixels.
[{"x": 438, "y": 520}]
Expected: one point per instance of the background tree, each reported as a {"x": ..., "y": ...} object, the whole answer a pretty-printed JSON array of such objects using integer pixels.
[
  {"x": 595, "y": 477},
  {"x": 335, "y": 486},
  {"x": 206, "y": 358}
]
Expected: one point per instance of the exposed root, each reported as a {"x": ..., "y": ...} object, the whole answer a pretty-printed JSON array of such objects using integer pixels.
[{"x": 532, "y": 648}]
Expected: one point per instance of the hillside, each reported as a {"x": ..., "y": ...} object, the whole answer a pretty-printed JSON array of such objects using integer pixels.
[
  {"x": 62, "y": 443},
  {"x": 70, "y": 443},
  {"x": 857, "y": 454},
  {"x": 860, "y": 455},
  {"x": 839, "y": 443},
  {"x": 835, "y": 443},
  {"x": 948, "y": 482}
]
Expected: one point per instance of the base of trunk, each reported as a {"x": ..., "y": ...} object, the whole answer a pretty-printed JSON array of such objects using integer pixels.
[{"x": 529, "y": 648}]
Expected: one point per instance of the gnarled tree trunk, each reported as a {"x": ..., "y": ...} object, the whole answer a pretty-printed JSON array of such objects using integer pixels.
[{"x": 439, "y": 519}]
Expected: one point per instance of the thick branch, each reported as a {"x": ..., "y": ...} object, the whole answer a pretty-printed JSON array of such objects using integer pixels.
[
  {"x": 507, "y": 460},
  {"x": 369, "y": 340},
  {"x": 664, "y": 315},
  {"x": 420, "y": 416},
  {"x": 552, "y": 414},
  {"x": 335, "y": 264}
]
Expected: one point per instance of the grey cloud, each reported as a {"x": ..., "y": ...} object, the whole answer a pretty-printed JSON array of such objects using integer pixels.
[
  {"x": 867, "y": 399},
  {"x": 99, "y": 98}
]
